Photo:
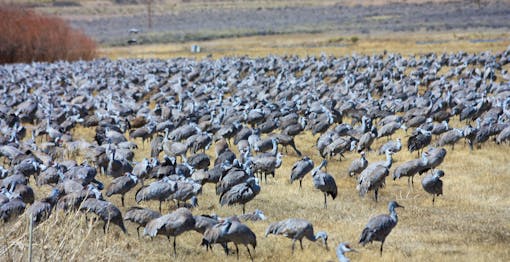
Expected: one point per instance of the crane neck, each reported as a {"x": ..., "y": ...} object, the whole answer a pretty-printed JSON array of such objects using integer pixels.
[
  {"x": 389, "y": 160},
  {"x": 341, "y": 256},
  {"x": 393, "y": 214}
]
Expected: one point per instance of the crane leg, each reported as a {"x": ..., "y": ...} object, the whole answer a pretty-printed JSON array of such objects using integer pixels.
[
  {"x": 382, "y": 243},
  {"x": 138, "y": 231},
  {"x": 159, "y": 206},
  {"x": 293, "y": 244},
  {"x": 301, "y": 243},
  {"x": 122, "y": 199},
  {"x": 225, "y": 248},
  {"x": 325, "y": 200},
  {"x": 175, "y": 251},
  {"x": 433, "y": 199},
  {"x": 243, "y": 209},
  {"x": 300, "y": 182},
  {"x": 249, "y": 253},
  {"x": 375, "y": 192},
  {"x": 237, "y": 250}
]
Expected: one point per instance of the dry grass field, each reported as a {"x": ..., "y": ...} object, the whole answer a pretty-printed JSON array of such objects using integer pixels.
[
  {"x": 330, "y": 43},
  {"x": 470, "y": 222}
]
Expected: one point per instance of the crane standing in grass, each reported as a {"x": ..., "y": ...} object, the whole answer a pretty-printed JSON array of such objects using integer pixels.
[
  {"x": 296, "y": 229},
  {"x": 379, "y": 227}
]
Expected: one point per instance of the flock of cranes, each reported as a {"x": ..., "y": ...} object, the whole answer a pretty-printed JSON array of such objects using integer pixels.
[{"x": 249, "y": 111}]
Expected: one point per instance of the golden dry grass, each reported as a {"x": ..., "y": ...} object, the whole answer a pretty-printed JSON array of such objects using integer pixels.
[
  {"x": 470, "y": 222},
  {"x": 330, "y": 43}
]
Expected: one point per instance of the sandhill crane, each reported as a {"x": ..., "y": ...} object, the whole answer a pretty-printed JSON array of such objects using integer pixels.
[
  {"x": 159, "y": 190},
  {"x": 411, "y": 168},
  {"x": 503, "y": 136},
  {"x": 254, "y": 216},
  {"x": 172, "y": 224},
  {"x": 440, "y": 128},
  {"x": 324, "y": 182},
  {"x": 239, "y": 234},
  {"x": 25, "y": 192},
  {"x": 296, "y": 229},
  {"x": 450, "y": 137},
  {"x": 343, "y": 248},
  {"x": 379, "y": 227},
  {"x": 367, "y": 139},
  {"x": 393, "y": 146},
  {"x": 241, "y": 193},
  {"x": 140, "y": 216},
  {"x": 374, "y": 176},
  {"x": 419, "y": 140},
  {"x": 186, "y": 190},
  {"x": 300, "y": 169},
  {"x": 121, "y": 185},
  {"x": 107, "y": 211},
  {"x": 265, "y": 165},
  {"x": 287, "y": 140},
  {"x": 71, "y": 201},
  {"x": 142, "y": 169},
  {"x": 213, "y": 231},
  {"x": 13, "y": 208},
  {"x": 41, "y": 209},
  {"x": 117, "y": 167},
  {"x": 389, "y": 129},
  {"x": 433, "y": 184},
  {"x": 199, "y": 161},
  {"x": 435, "y": 157},
  {"x": 233, "y": 176},
  {"x": 358, "y": 165}
]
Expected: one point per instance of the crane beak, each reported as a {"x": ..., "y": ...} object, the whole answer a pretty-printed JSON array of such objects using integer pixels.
[{"x": 400, "y": 206}]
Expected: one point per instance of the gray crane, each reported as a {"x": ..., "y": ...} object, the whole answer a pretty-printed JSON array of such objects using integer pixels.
[
  {"x": 254, "y": 216},
  {"x": 121, "y": 185},
  {"x": 411, "y": 168},
  {"x": 393, "y": 146},
  {"x": 435, "y": 156},
  {"x": 13, "y": 208},
  {"x": 142, "y": 169},
  {"x": 324, "y": 182},
  {"x": 367, "y": 139},
  {"x": 358, "y": 165},
  {"x": 300, "y": 169},
  {"x": 343, "y": 248},
  {"x": 233, "y": 176},
  {"x": 213, "y": 232},
  {"x": 389, "y": 129},
  {"x": 450, "y": 137},
  {"x": 107, "y": 211},
  {"x": 238, "y": 233},
  {"x": 379, "y": 227},
  {"x": 186, "y": 190},
  {"x": 140, "y": 216},
  {"x": 504, "y": 135},
  {"x": 159, "y": 190},
  {"x": 297, "y": 229},
  {"x": 241, "y": 193},
  {"x": 266, "y": 165},
  {"x": 117, "y": 167},
  {"x": 41, "y": 210},
  {"x": 419, "y": 140},
  {"x": 433, "y": 184},
  {"x": 171, "y": 225},
  {"x": 374, "y": 176}
]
